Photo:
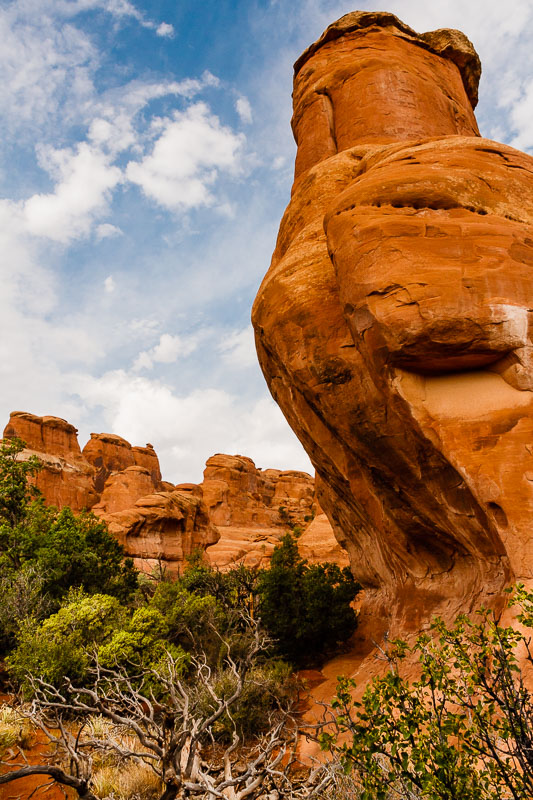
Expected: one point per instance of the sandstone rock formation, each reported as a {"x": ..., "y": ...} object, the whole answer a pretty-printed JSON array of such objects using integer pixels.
[
  {"x": 159, "y": 522},
  {"x": 164, "y": 527},
  {"x": 119, "y": 483},
  {"x": 109, "y": 453},
  {"x": 253, "y": 509},
  {"x": 238, "y": 493},
  {"x": 393, "y": 324},
  {"x": 122, "y": 490},
  {"x": 66, "y": 478},
  {"x": 317, "y": 544}
]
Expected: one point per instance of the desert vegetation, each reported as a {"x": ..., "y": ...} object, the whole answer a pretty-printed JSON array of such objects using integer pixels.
[
  {"x": 156, "y": 688},
  {"x": 186, "y": 676},
  {"x": 463, "y": 729}
]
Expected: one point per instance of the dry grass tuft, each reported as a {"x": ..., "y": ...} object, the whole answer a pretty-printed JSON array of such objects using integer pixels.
[
  {"x": 348, "y": 787},
  {"x": 126, "y": 782},
  {"x": 98, "y": 727},
  {"x": 15, "y": 730}
]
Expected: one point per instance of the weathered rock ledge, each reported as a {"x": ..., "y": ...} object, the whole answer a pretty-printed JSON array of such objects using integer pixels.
[
  {"x": 394, "y": 323},
  {"x": 237, "y": 514}
]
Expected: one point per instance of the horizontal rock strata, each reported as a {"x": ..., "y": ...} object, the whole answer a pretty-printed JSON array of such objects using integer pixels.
[
  {"x": 239, "y": 512},
  {"x": 393, "y": 324}
]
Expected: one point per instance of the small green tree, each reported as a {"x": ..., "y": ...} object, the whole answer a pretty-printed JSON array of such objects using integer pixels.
[
  {"x": 76, "y": 551},
  {"x": 22, "y": 600},
  {"x": 64, "y": 644},
  {"x": 305, "y": 608},
  {"x": 16, "y": 493},
  {"x": 235, "y": 588},
  {"x": 61, "y": 550},
  {"x": 462, "y": 731}
]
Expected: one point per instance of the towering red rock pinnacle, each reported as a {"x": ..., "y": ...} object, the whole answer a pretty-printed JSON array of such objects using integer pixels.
[{"x": 393, "y": 324}]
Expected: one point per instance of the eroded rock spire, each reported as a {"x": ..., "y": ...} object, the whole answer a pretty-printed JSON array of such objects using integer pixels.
[{"x": 393, "y": 324}]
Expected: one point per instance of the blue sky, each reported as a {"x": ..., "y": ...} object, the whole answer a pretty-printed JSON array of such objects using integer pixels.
[{"x": 145, "y": 162}]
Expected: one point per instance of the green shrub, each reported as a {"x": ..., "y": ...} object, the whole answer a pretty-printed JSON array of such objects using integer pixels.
[
  {"x": 64, "y": 644},
  {"x": 142, "y": 642},
  {"x": 16, "y": 493},
  {"x": 306, "y": 609},
  {"x": 464, "y": 729},
  {"x": 45, "y": 552},
  {"x": 21, "y": 599},
  {"x": 76, "y": 551}
]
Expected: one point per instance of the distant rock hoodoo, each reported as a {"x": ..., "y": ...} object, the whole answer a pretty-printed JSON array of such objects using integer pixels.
[
  {"x": 393, "y": 326},
  {"x": 239, "y": 512}
]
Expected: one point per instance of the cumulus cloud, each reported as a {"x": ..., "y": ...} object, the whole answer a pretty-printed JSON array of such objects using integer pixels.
[
  {"x": 47, "y": 62},
  {"x": 192, "y": 148},
  {"x": 41, "y": 65},
  {"x": 107, "y": 231},
  {"x": 193, "y": 142},
  {"x": 244, "y": 110},
  {"x": 86, "y": 180},
  {"x": 114, "y": 122},
  {"x": 120, "y": 9},
  {"x": 48, "y": 73},
  {"x": 186, "y": 429},
  {"x": 38, "y": 346},
  {"x": 166, "y": 351},
  {"x": 521, "y": 113},
  {"x": 109, "y": 284},
  {"x": 165, "y": 30},
  {"x": 143, "y": 328},
  {"x": 238, "y": 348},
  {"x": 25, "y": 283}
]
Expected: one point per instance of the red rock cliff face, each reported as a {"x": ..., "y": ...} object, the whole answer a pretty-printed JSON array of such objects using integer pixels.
[
  {"x": 66, "y": 478},
  {"x": 159, "y": 522},
  {"x": 393, "y": 324},
  {"x": 108, "y": 453},
  {"x": 238, "y": 493},
  {"x": 121, "y": 484},
  {"x": 164, "y": 527},
  {"x": 254, "y": 508}
]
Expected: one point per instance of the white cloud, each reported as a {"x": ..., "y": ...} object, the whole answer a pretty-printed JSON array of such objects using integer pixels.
[
  {"x": 170, "y": 347},
  {"x": 26, "y": 285},
  {"x": 143, "y": 328},
  {"x": 48, "y": 62},
  {"x": 107, "y": 231},
  {"x": 168, "y": 350},
  {"x": 165, "y": 30},
  {"x": 109, "y": 284},
  {"x": 209, "y": 79},
  {"x": 522, "y": 119},
  {"x": 42, "y": 64},
  {"x": 38, "y": 345},
  {"x": 143, "y": 361},
  {"x": 114, "y": 124},
  {"x": 48, "y": 72},
  {"x": 187, "y": 429},
  {"x": 244, "y": 110},
  {"x": 119, "y": 9},
  {"x": 193, "y": 147},
  {"x": 238, "y": 348},
  {"x": 81, "y": 195}
]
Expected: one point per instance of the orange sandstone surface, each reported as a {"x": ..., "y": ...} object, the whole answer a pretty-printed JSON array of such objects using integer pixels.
[
  {"x": 393, "y": 326},
  {"x": 238, "y": 514},
  {"x": 253, "y": 508}
]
